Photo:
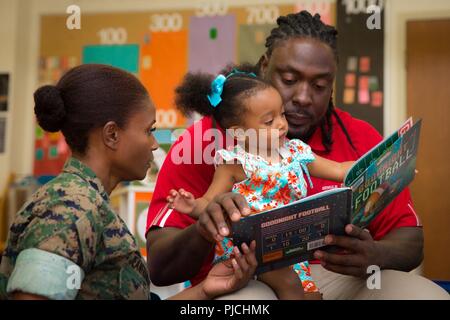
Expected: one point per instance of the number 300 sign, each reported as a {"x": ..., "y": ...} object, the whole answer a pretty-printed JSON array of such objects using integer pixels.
[{"x": 166, "y": 22}]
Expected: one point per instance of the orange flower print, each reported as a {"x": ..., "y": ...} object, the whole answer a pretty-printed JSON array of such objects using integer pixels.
[
  {"x": 292, "y": 178},
  {"x": 253, "y": 199},
  {"x": 283, "y": 195},
  {"x": 256, "y": 180},
  {"x": 219, "y": 249},
  {"x": 269, "y": 185},
  {"x": 245, "y": 190},
  {"x": 309, "y": 286},
  {"x": 305, "y": 269}
]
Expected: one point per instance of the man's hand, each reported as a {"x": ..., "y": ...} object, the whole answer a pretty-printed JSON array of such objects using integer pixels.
[
  {"x": 232, "y": 274},
  {"x": 360, "y": 252},
  {"x": 215, "y": 222}
]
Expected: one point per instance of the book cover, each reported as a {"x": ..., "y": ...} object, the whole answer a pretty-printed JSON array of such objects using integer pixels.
[
  {"x": 289, "y": 234},
  {"x": 380, "y": 175}
]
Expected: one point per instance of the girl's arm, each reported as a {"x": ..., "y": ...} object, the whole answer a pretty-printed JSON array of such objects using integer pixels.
[
  {"x": 223, "y": 180},
  {"x": 330, "y": 170}
]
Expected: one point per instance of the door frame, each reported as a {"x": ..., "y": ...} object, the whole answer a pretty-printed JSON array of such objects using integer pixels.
[{"x": 397, "y": 14}]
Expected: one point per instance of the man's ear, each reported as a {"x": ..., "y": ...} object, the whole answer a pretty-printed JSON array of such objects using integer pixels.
[
  {"x": 263, "y": 64},
  {"x": 110, "y": 135}
]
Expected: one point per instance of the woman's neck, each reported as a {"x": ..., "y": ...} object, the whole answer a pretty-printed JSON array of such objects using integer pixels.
[{"x": 102, "y": 169}]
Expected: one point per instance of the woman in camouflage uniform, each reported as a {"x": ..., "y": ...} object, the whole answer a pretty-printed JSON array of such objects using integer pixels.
[{"x": 67, "y": 242}]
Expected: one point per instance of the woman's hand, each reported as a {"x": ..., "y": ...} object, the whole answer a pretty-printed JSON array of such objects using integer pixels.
[
  {"x": 231, "y": 275},
  {"x": 181, "y": 200}
]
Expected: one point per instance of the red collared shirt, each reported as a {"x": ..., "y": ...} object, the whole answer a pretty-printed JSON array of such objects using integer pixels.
[
  {"x": 196, "y": 178},
  {"x": 192, "y": 177}
]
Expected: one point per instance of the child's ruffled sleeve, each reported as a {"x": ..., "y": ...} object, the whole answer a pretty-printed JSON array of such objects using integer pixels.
[
  {"x": 234, "y": 156},
  {"x": 302, "y": 153}
]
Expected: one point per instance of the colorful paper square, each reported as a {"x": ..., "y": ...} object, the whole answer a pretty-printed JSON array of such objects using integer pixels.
[
  {"x": 377, "y": 99},
  {"x": 352, "y": 64},
  {"x": 213, "y": 33},
  {"x": 363, "y": 97},
  {"x": 349, "y": 96},
  {"x": 163, "y": 136},
  {"x": 364, "y": 64},
  {"x": 363, "y": 83},
  {"x": 373, "y": 83},
  {"x": 39, "y": 133},
  {"x": 39, "y": 154},
  {"x": 350, "y": 80},
  {"x": 53, "y": 136},
  {"x": 124, "y": 56},
  {"x": 53, "y": 152}
]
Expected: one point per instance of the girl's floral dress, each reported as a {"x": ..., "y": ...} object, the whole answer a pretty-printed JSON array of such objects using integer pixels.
[{"x": 268, "y": 186}]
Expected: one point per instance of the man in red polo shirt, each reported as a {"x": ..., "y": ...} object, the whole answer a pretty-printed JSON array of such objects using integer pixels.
[{"x": 300, "y": 62}]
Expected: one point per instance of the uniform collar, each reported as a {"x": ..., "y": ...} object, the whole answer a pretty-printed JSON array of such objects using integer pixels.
[{"x": 75, "y": 166}]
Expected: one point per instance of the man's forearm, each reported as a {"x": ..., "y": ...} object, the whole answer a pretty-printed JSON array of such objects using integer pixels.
[
  {"x": 401, "y": 249},
  {"x": 175, "y": 255}
]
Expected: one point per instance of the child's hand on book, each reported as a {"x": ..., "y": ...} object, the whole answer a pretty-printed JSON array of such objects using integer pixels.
[{"x": 181, "y": 200}]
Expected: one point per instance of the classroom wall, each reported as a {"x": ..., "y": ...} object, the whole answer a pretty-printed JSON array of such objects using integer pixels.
[
  {"x": 8, "y": 13},
  {"x": 19, "y": 35},
  {"x": 397, "y": 13}
]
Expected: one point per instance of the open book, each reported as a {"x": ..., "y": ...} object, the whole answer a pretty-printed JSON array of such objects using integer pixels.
[{"x": 290, "y": 234}]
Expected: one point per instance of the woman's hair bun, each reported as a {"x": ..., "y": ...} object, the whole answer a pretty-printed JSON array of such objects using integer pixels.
[{"x": 49, "y": 108}]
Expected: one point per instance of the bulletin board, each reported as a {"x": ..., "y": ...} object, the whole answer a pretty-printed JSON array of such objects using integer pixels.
[
  {"x": 159, "y": 47},
  {"x": 359, "y": 81}
]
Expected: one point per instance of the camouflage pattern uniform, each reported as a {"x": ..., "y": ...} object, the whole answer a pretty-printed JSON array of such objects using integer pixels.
[{"x": 71, "y": 216}]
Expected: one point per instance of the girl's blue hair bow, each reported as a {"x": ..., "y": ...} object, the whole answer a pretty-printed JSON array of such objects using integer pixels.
[
  {"x": 215, "y": 97},
  {"x": 216, "y": 90}
]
